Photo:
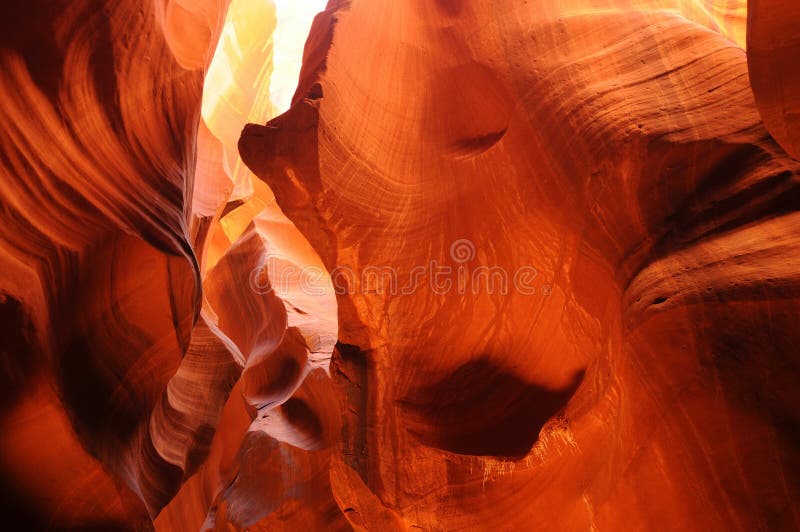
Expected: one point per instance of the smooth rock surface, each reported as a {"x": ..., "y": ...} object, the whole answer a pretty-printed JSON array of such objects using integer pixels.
[{"x": 503, "y": 265}]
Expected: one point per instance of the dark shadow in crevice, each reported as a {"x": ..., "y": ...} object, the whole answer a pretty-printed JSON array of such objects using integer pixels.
[
  {"x": 483, "y": 409},
  {"x": 302, "y": 418},
  {"x": 474, "y": 146},
  {"x": 19, "y": 356}
]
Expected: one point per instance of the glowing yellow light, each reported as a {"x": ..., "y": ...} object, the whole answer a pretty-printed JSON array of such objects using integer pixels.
[
  {"x": 254, "y": 73},
  {"x": 294, "y": 22},
  {"x": 252, "y": 77}
]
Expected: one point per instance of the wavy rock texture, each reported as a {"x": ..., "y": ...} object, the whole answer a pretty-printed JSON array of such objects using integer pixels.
[
  {"x": 136, "y": 289},
  {"x": 515, "y": 265},
  {"x": 640, "y": 369},
  {"x": 100, "y": 283},
  {"x": 282, "y": 295}
]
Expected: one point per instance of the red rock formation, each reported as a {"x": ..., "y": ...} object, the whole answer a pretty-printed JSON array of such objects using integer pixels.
[
  {"x": 562, "y": 236},
  {"x": 773, "y": 45},
  {"x": 643, "y": 375},
  {"x": 112, "y": 379}
]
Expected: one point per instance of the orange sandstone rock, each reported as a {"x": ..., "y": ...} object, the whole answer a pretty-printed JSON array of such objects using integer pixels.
[
  {"x": 503, "y": 265},
  {"x": 641, "y": 373}
]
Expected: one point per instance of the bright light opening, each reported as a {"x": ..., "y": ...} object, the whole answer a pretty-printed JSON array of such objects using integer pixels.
[
  {"x": 251, "y": 79},
  {"x": 294, "y": 23}
]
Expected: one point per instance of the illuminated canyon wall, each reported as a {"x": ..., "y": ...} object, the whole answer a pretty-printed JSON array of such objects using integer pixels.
[{"x": 485, "y": 265}]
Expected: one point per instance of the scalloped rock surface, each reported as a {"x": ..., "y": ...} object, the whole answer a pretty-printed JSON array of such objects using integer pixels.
[{"x": 504, "y": 264}]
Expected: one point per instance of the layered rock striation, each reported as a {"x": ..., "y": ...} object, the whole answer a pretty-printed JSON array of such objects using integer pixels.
[
  {"x": 609, "y": 164},
  {"x": 502, "y": 264}
]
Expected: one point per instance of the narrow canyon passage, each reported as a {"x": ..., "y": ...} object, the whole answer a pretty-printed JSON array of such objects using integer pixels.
[{"x": 394, "y": 265}]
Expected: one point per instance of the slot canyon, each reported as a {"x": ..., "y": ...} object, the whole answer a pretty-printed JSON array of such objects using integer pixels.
[{"x": 396, "y": 265}]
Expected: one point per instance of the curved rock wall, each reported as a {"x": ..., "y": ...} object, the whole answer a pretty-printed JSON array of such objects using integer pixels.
[
  {"x": 99, "y": 283},
  {"x": 610, "y": 164},
  {"x": 561, "y": 237}
]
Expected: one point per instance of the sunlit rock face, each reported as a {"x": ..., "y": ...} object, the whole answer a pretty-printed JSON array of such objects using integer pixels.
[
  {"x": 129, "y": 301},
  {"x": 607, "y": 161},
  {"x": 489, "y": 265},
  {"x": 100, "y": 287}
]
